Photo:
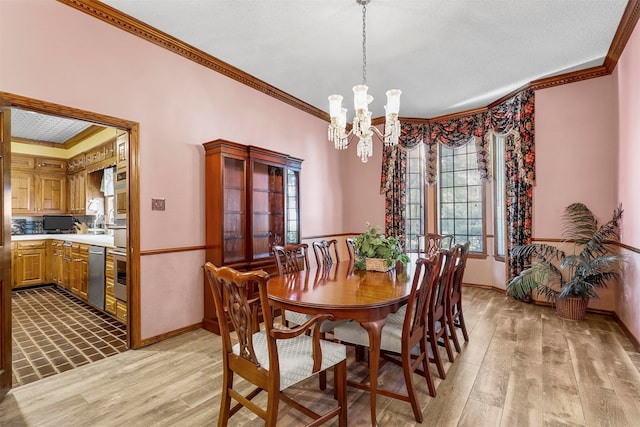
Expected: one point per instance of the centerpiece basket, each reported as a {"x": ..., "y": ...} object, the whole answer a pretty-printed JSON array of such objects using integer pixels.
[{"x": 377, "y": 264}]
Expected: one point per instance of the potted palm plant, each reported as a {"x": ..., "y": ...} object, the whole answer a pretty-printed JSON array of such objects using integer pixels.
[
  {"x": 376, "y": 252},
  {"x": 571, "y": 279}
]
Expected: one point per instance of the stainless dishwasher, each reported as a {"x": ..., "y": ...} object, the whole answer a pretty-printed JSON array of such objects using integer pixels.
[{"x": 96, "y": 276}]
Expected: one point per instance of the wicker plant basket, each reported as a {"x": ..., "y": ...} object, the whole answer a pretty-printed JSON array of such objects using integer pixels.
[
  {"x": 571, "y": 308},
  {"x": 377, "y": 264}
]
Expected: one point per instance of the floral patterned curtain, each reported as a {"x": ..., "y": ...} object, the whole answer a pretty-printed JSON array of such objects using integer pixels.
[
  {"x": 514, "y": 118},
  {"x": 455, "y": 133},
  {"x": 393, "y": 178}
]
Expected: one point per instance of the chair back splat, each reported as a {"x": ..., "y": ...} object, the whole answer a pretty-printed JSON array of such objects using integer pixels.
[
  {"x": 291, "y": 258},
  {"x": 271, "y": 359},
  {"x": 326, "y": 252},
  {"x": 433, "y": 242}
]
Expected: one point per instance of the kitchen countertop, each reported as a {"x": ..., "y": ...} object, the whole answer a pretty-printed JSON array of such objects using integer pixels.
[{"x": 91, "y": 239}]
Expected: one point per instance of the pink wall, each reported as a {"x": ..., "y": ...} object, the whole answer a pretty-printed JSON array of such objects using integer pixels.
[
  {"x": 576, "y": 157},
  {"x": 628, "y": 127},
  {"x": 54, "y": 53}
]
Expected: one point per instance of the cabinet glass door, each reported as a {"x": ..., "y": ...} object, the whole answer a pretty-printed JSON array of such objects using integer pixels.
[
  {"x": 234, "y": 210},
  {"x": 268, "y": 208},
  {"x": 293, "y": 222}
]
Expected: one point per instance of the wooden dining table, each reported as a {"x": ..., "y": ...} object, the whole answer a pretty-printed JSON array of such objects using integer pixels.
[{"x": 366, "y": 297}]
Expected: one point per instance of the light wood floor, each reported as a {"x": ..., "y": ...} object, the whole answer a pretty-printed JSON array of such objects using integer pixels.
[{"x": 522, "y": 367}]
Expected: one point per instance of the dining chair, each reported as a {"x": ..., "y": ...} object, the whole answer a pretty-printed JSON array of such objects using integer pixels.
[
  {"x": 292, "y": 259},
  {"x": 351, "y": 248},
  {"x": 271, "y": 359},
  {"x": 326, "y": 253},
  {"x": 437, "y": 315},
  {"x": 403, "y": 339},
  {"x": 453, "y": 302},
  {"x": 432, "y": 242}
]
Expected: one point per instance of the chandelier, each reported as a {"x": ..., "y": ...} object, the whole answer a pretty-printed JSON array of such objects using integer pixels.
[{"x": 362, "y": 128}]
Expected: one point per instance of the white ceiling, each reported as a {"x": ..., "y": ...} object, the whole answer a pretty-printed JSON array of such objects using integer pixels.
[{"x": 446, "y": 56}]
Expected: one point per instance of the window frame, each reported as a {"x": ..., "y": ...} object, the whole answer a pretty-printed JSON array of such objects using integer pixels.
[
  {"x": 499, "y": 168},
  {"x": 483, "y": 201}
]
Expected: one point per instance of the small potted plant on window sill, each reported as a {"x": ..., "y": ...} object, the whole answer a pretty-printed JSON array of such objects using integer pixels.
[
  {"x": 376, "y": 252},
  {"x": 570, "y": 279}
]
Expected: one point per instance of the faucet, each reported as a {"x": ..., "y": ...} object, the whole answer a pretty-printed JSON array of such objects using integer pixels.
[{"x": 98, "y": 222}]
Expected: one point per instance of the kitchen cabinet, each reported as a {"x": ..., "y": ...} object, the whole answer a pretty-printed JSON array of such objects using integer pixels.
[
  {"x": 38, "y": 185},
  {"x": 23, "y": 198},
  {"x": 50, "y": 193},
  {"x": 55, "y": 255},
  {"x": 79, "y": 270},
  {"x": 77, "y": 193},
  {"x": 30, "y": 263},
  {"x": 251, "y": 203},
  {"x": 112, "y": 305}
]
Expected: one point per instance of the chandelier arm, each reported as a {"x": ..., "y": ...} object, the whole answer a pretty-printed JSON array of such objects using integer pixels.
[{"x": 377, "y": 132}]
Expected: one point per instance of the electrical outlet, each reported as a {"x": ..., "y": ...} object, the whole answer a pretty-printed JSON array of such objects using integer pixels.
[{"x": 157, "y": 204}]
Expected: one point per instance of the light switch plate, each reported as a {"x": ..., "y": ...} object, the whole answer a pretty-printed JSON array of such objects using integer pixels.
[{"x": 157, "y": 204}]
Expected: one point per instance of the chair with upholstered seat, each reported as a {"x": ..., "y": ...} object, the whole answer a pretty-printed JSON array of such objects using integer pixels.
[
  {"x": 432, "y": 242},
  {"x": 453, "y": 302},
  {"x": 271, "y": 359},
  {"x": 403, "y": 336},
  {"x": 437, "y": 332},
  {"x": 291, "y": 259},
  {"x": 326, "y": 252}
]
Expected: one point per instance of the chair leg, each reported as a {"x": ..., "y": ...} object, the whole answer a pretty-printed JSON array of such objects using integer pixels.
[
  {"x": 445, "y": 338},
  {"x": 340, "y": 390},
  {"x": 462, "y": 324},
  {"x": 436, "y": 354},
  {"x": 452, "y": 332},
  {"x": 408, "y": 380},
  {"x": 273, "y": 400},
  {"x": 225, "y": 399},
  {"x": 425, "y": 368},
  {"x": 322, "y": 377}
]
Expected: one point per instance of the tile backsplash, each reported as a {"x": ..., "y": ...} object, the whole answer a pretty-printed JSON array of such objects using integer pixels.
[{"x": 26, "y": 226}]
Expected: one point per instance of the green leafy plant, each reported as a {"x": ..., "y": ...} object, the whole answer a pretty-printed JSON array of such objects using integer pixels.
[
  {"x": 373, "y": 244},
  {"x": 554, "y": 273}
]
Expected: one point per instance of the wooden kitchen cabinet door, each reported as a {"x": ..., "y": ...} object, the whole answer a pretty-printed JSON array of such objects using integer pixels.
[
  {"x": 22, "y": 193},
  {"x": 52, "y": 195}
]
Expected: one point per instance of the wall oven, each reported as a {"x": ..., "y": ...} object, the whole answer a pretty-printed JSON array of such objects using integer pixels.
[{"x": 120, "y": 273}]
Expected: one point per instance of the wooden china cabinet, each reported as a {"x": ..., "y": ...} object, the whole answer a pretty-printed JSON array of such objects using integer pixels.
[{"x": 252, "y": 203}]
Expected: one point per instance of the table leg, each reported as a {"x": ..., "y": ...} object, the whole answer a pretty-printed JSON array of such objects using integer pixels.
[{"x": 375, "y": 331}]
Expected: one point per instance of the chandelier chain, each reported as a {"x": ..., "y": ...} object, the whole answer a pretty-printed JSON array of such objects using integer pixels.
[{"x": 364, "y": 43}]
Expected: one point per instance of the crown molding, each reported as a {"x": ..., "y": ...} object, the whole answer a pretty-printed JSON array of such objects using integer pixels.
[{"x": 138, "y": 28}]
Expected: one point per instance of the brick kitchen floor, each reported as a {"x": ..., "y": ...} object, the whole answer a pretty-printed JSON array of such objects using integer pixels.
[{"x": 54, "y": 331}]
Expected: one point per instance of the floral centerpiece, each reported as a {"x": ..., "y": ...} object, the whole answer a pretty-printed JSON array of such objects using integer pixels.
[{"x": 375, "y": 251}]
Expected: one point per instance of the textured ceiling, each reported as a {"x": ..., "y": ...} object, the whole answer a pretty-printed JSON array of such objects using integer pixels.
[
  {"x": 43, "y": 128},
  {"x": 446, "y": 56}
]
